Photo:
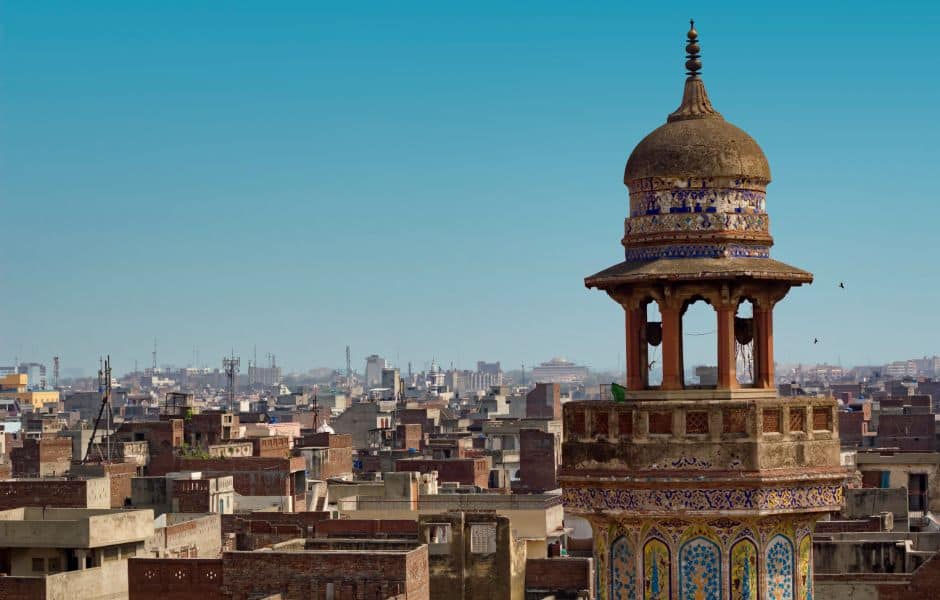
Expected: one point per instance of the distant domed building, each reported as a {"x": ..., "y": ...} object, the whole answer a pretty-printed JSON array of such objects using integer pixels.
[
  {"x": 700, "y": 492},
  {"x": 559, "y": 370}
]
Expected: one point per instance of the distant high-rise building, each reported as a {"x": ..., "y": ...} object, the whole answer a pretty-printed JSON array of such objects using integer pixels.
[
  {"x": 264, "y": 376},
  {"x": 489, "y": 368},
  {"x": 391, "y": 380},
  {"x": 374, "y": 366}
]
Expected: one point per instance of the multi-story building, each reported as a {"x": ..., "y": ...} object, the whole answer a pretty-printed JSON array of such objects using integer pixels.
[
  {"x": 15, "y": 386},
  {"x": 374, "y": 366}
]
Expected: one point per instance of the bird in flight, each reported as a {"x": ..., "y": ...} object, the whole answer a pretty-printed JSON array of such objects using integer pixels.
[
  {"x": 842, "y": 285},
  {"x": 815, "y": 340},
  {"x": 650, "y": 365}
]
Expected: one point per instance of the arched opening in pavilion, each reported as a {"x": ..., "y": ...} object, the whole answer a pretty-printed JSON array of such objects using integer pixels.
[
  {"x": 699, "y": 352},
  {"x": 654, "y": 344},
  {"x": 744, "y": 342}
]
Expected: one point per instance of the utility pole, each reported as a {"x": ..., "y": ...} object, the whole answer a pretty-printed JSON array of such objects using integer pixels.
[{"x": 231, "y": 372}]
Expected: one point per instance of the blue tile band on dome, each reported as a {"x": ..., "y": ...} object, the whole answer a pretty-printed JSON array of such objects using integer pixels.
[{"x": 696, "y": 251}]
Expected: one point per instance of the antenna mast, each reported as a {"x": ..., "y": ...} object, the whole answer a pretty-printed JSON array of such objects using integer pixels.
[
  {"x": 104, "y": 388},
  {"x": 231, "y": 372}
]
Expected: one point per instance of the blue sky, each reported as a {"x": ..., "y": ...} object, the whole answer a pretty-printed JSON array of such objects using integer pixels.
[{"x": 429, "y": 179}]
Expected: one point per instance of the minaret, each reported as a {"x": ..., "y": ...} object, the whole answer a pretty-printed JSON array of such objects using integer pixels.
[{"x": 698, "y": 491}]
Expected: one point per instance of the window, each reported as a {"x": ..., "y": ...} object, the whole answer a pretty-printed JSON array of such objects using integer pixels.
[
  {"x": 39, "y": 565},
  {"x": 917, "y": 491},
  {"x": 439, "y": 534},
  {"x": 54, "y": 565},
  {"x": 483, "y": 539}
]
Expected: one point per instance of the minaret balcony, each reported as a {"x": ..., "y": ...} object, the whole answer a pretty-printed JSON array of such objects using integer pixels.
[{"x": 733, "y": 431}]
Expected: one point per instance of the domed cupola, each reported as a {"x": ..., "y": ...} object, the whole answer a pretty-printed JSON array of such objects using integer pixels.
[{"x": 697, "y": 183}]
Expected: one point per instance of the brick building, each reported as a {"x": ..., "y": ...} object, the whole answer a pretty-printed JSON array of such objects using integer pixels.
[
  {"x": 203, "y": 429},
  {"x": 559, "y": 578},
  {"x": 473, "y": 555},
  {"x": 56, "y": 493},
  {"x": 259, "y": 481},
  {"x": 118, "y": 474},
  {"x": 467, "y": 471},
  {"x": 275, "y": 446},
  {"x": 543, "y": 402},
  {"x": 907, "y": 432},
  {"x": 164, "y": 438},
  {"x": 327, "y": 456},
  {"x": 538, "y": 466},
  {"x": 43, "y": 457}
]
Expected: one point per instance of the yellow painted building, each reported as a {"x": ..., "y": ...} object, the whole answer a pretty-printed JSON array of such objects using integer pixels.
[{"x": 16, "y": 385}]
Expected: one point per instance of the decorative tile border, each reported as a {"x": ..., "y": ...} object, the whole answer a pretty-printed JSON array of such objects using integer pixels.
[
  {"x": 713, "y": 195},
  {"x": 695, "y": 222},
  {"x": 665, "y": 500},
  {"x": 696, "y": 251}
]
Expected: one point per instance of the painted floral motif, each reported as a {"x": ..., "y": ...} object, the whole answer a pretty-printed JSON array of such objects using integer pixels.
[
  {"x": 744, "y": 570},
  {"x": 622, "y": 571},
  {"x": 655, "y": 196},
  {"x": 700, "y": 570},
  {"x": 779, "y": 561},
  {"x": 683, "y": 462},
  {"x": 702, "y": 222},
  {"x": 805, "y": 570},
  {"x": 657, "y": 571}
]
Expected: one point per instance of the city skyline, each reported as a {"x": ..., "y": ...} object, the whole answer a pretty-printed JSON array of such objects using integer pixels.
[{"x": 224, "y": 180}]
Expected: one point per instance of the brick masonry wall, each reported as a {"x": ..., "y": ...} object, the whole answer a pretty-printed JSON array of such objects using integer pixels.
[
  {"x": 252, "y": 475},
  {"x": 367, "y": 528},
  {"x": 162, "y": 438},
  {"x": 42, "y": 458},
  {"x": 277, "y": 446},
  {"x": 256, "y": 530},
  {"x": 174, "y": 579},
  {"x": 354, "y": 575},
  {"x": 537, "y": 469},
  {"x": 53, "y": 493},
  {"x": 119, "y": 474},
  {"x": 191, "y": 498},
  {"x": 924, "y": 583},
  {"x": 558, "y": 574},
  {"x": 22, "y": 588}
]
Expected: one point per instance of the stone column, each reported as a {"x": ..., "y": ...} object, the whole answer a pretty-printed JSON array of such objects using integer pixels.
[
  {"x": 727, "y": 376},
  {"x": 81, "y": 555},
  {"x": 763, "y": 345},
  {"x": 672, "y": 345},
  {"x": 637, "y": 371}
]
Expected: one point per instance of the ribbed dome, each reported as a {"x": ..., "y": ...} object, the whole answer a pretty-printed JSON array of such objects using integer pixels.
[{"x": 697, "y": 142}]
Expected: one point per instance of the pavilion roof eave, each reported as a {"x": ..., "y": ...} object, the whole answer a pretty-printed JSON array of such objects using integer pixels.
[{"x": 697, "y": 269}]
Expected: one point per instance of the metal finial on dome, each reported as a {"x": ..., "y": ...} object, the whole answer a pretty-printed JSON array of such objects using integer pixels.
[
  {"x": 695, "y": 102},
  {"x": 693, "y": 63}
]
